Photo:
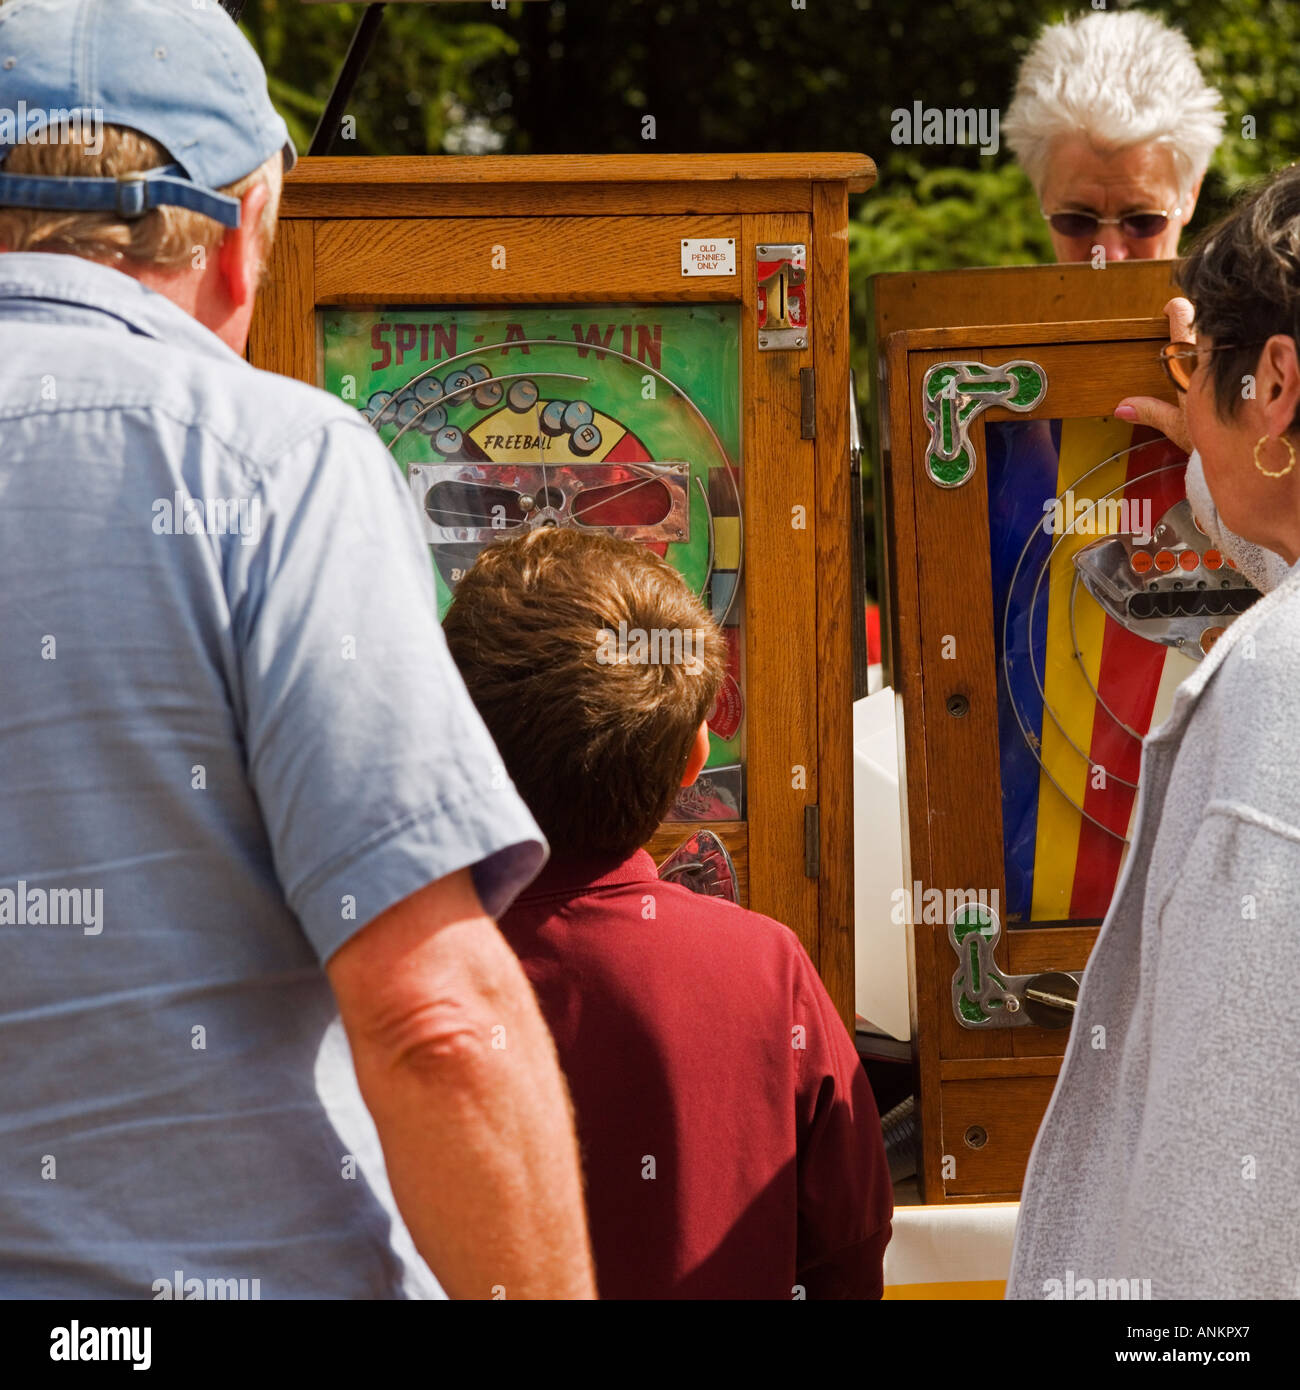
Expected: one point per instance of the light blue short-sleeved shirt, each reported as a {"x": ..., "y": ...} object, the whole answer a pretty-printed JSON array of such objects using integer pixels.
[{"x": 230, "y": 736}]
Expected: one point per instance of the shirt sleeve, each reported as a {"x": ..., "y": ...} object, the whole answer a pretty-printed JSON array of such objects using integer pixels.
[
  {"x": 374, "y": 773},
  {"x": 846, "y": 1200}
]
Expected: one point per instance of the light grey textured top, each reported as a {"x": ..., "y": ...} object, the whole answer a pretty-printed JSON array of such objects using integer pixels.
[{"x": 1171, "y": 1148}]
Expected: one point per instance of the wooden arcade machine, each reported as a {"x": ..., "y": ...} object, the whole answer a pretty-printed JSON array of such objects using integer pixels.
[
  {"x": 1047, "y": 588},
  {"x": 653, "y": 346}
]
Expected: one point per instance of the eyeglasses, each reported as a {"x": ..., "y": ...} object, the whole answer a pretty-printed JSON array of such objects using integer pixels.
[
  {"x": 1179, "y": 359},
  {"x": 1140, "y": 226}
]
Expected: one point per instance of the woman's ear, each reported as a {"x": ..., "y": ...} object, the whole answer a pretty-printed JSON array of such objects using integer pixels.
[
  {"x": 698, "y": 755},
  {"x": 1278, "y": 383}
]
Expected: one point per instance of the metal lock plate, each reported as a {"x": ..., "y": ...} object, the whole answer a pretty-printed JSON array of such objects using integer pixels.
[{"x": 782, "y": 296}]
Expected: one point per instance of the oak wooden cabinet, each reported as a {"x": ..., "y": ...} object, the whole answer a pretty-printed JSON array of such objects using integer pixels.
[
  {"x": 564, "y": 332},
  {"x": 1037, "y": 629}
]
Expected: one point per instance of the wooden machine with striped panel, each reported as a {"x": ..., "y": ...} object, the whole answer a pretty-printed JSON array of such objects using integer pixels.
[{"x": 1047, "y": 589}]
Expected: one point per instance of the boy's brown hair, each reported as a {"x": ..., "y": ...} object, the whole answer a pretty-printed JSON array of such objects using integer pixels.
[{"x": 554, "y": 632}]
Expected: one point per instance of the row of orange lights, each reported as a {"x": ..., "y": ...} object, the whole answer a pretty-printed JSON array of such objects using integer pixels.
[{"x": 1166, "y": 560}]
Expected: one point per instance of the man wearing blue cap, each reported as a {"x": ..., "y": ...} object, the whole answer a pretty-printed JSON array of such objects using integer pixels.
[{"x": 234, "y": 750}]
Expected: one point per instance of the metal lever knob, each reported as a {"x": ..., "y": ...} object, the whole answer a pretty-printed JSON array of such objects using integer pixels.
[{"x": 1050, "y": 999}]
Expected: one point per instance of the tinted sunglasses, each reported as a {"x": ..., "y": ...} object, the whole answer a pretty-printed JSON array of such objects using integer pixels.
[
  {"x": 1179, "y": 359},
  {"x": 1140, "y": 226}
]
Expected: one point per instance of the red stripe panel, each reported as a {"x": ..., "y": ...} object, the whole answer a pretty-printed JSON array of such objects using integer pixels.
[{"x": 1128, "y": 679}]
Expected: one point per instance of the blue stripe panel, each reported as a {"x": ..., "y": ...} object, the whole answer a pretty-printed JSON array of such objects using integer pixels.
[{"x": 1023, "y": 458}]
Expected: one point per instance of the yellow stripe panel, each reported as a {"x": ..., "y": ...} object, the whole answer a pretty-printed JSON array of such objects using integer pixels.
[
  {"x": 726, "y": 542},
  {"x": 1084, "y": 443},
  {"x": 969, "y": 1289}
]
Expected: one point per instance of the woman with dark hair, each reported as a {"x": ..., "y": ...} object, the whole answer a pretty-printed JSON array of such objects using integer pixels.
[{"x": 1168, "y": 1164}]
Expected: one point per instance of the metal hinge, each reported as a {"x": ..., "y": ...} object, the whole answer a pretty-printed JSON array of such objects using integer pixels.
[
  {"x": 812, "y": 841},
  {"x": 807, "y": 404}
]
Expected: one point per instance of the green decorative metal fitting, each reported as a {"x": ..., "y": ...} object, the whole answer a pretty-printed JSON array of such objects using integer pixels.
[
  {"x": 983, "y": 997},
  {"x": 954, "y": 393},
  {"x": 977, "y": 989}
]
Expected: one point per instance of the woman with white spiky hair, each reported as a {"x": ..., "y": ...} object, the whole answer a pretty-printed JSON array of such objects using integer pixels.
[{"x": 1115, "y": 127}]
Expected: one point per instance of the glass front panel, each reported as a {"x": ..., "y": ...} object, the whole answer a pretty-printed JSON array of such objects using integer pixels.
[
  {"x": 624, "y": 419},
  {"x": 1105, "y": 595}
]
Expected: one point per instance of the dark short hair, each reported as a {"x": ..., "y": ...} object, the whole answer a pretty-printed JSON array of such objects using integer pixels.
[
  {"x": 595, "y": 741},
  {"x": 1243, "y": 276}
]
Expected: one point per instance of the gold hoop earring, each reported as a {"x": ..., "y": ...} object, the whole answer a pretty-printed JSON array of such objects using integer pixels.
[{"x": 1281, "y": 472}]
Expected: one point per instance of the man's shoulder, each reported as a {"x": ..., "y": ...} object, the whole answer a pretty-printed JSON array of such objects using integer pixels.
[
  {"x": 264, "y": 416},
  {"x": 71, "y": 315},
  {"x": 256, "y": 419}
]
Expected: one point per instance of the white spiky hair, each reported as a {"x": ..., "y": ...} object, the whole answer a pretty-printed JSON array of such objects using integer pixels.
[{"x": 1119, "y": 80}]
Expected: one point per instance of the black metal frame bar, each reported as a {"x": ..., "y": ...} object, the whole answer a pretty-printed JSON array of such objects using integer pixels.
[{"x": 363, "y": 40}]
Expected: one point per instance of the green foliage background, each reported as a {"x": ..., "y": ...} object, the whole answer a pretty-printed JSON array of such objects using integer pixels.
[{"x": 580, "y": 76}]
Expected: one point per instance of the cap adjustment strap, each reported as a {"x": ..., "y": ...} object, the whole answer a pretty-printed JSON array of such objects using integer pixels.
[{"x": 129, "y": 195}]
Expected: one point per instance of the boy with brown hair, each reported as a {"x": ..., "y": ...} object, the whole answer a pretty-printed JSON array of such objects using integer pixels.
[{"x": 730, "y": 1138}]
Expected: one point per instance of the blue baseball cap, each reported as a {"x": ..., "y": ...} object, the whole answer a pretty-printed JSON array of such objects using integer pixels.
[{"x": 178, "y": 71}]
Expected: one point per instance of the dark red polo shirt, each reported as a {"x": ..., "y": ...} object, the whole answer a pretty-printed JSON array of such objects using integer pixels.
[{"x": 730, "y": 1139}]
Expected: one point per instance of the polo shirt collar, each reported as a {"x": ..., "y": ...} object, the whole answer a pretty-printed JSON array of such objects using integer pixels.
[
  {"x": 567, "y": 875},
  {"x": 48, "y": 278}
]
